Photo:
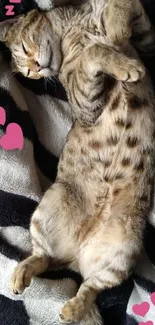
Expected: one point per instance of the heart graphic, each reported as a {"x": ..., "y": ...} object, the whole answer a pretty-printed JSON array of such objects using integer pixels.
[
  {"x": 153, "y": 298},
  {"x": 146, "y": 323},
  {"x": 2, "y": 116},
  {"x": 142, "y": 309},
  {"x": 13, "y": 139}
]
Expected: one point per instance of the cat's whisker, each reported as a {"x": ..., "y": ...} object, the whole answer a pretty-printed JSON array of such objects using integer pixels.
[
  {"x": 12, "y": 74},
  {"x": 51, "y": 81},
  {"x": 45, "y": 83}
]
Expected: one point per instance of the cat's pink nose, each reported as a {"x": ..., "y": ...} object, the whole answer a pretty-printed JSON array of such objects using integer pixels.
[{"x": 38, "y": 67}]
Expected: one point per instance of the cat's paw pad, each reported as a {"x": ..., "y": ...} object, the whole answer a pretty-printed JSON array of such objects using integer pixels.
[
  {"x": 73, "y": 311},
  {"x": 131, "y": 72},
  {"x": 21, "y": 278}
]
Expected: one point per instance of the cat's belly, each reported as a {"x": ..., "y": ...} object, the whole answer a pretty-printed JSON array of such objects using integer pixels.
[{"x": 98, "y": 154}]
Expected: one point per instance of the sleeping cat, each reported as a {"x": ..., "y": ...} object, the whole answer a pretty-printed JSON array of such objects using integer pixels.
[{"x": 93, "y": 217}]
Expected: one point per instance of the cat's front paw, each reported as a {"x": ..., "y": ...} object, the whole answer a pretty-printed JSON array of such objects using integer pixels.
[
  {"x": 117, "y": 25},
  {"x": 73, "y": 311},
  {"x": 130, "y": 71},
  {"x": 21, "y": 278}
]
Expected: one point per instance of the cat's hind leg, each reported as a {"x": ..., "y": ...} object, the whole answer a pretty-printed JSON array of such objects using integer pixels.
[
  {"x": 109, "y": 255},
  {"x": 38, "y": 262},
  {"x": 52, "y": 225},
  {"x": 23, "y": 273}
]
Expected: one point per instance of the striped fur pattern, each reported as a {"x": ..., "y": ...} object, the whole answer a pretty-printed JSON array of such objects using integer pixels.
[{"x": 101, "y": 197}]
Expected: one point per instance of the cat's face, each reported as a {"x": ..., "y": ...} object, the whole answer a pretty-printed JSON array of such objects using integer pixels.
[{"x": 35, "y": 48}]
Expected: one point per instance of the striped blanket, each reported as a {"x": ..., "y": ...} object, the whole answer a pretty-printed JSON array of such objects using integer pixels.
[{"x": 42, "y": 111}]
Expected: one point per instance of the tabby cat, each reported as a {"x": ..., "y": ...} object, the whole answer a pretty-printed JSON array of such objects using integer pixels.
[{"x": 93, "y": 217}]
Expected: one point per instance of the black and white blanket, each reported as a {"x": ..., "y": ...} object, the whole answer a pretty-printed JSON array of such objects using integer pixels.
[{"x": 41, "y": 110}]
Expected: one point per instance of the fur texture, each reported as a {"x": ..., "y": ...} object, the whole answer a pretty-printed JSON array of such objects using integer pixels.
[{"x": 102, "y": 194}]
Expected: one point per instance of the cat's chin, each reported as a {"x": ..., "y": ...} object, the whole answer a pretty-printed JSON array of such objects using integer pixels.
[
  {"x": 46, "y": 73},
  {"x": 49, "y": 72}
]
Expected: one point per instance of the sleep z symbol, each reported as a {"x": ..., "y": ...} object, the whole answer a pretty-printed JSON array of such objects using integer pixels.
[{"x": 10, "y": 8}]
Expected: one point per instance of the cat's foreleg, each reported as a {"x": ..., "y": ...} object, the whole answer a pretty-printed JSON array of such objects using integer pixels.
[
  {"x": 117, "y": 19},
  {"x": 99, "y": 60},
  {"x": 127, "y": 18},
  {"x": 89, "y": 84}
]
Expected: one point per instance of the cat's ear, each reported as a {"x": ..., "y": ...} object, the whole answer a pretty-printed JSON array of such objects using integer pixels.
[
  {"x": 6, "y": 25},
  {"x": 4, "y": 28}
]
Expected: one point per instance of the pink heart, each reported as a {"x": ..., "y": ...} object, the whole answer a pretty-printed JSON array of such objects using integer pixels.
[
  {"x": 146, "y": 323},
  {"x": 2, "y": 116},
  {"x": 153, "y": 298},
  {"x": 13, "y": 139},
  {"x": 141, "y": 309}
]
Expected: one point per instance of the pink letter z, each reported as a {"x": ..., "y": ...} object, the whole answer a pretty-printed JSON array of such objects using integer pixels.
[{"x": 10, "y": 11}]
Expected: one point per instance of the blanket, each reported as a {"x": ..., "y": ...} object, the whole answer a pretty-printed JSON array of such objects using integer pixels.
[{"x": 43, "y": 113}]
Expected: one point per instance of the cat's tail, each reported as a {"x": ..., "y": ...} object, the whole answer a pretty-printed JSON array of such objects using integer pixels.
[{"x": 93, "y": 317}]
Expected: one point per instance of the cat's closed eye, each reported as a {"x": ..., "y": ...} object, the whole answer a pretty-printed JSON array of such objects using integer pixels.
[{"x": 24, "y": 49}]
